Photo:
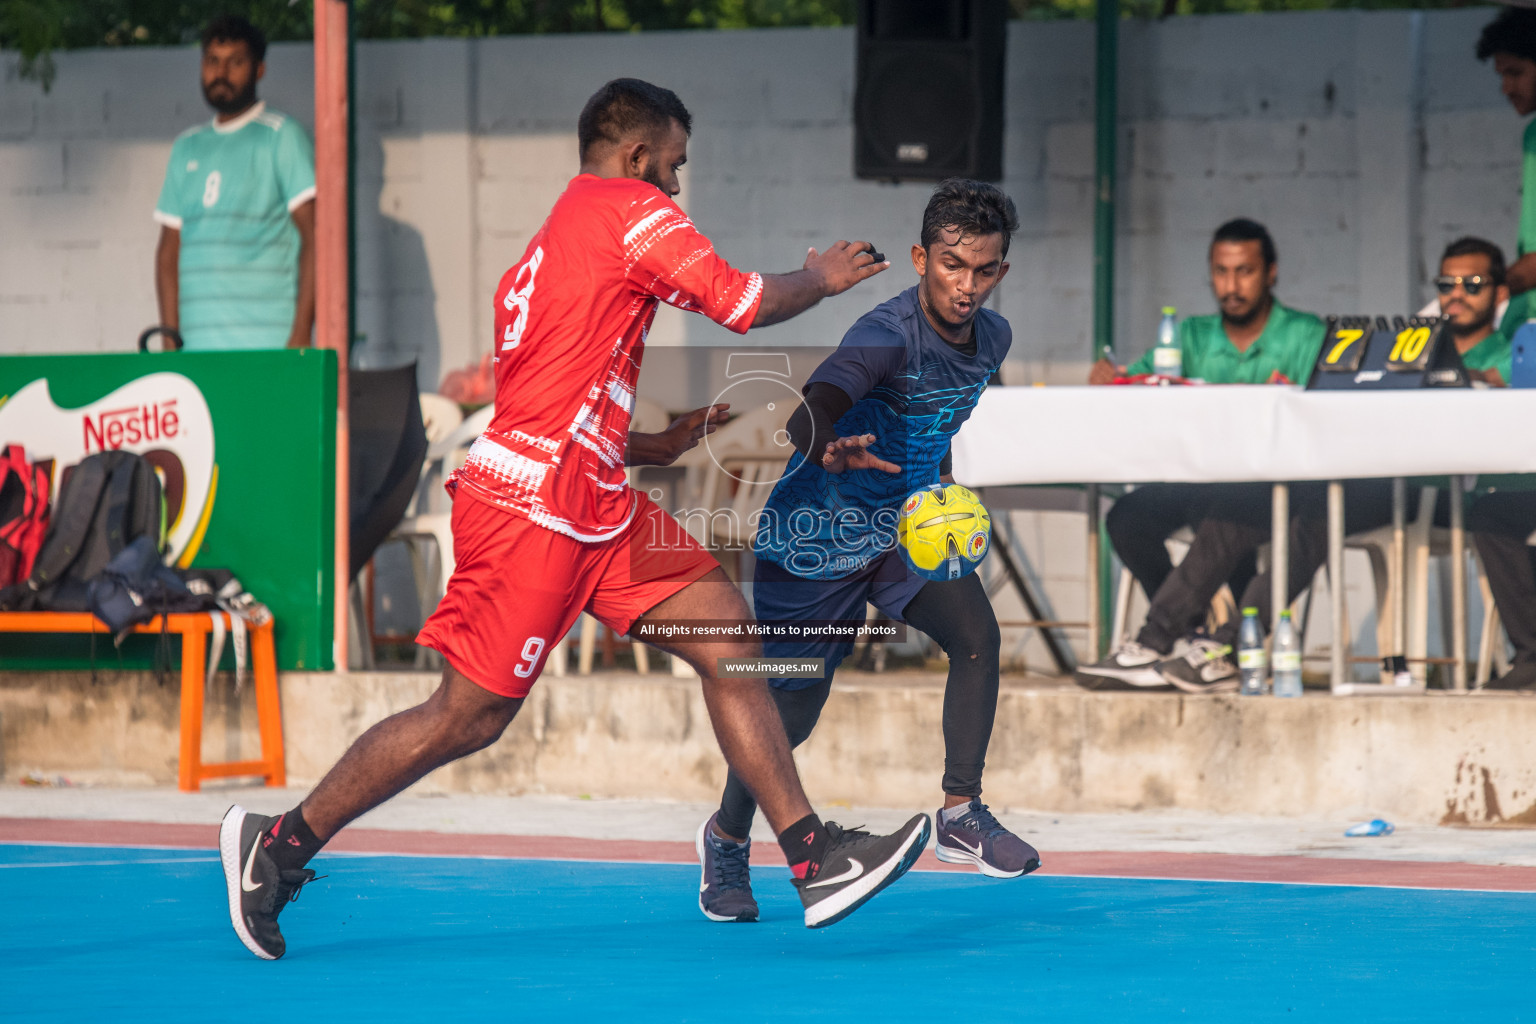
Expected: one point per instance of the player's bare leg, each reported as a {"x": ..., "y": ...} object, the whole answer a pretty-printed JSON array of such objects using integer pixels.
[
  {"x": 746, "y": 723},
  {"x": 458, "y": 719},
  {"x": 263, "y": 857},
  {"x": 836, "y": 870}
]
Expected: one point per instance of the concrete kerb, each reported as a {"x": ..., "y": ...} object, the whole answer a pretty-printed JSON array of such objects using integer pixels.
[{"x": 1415, "y": 760}]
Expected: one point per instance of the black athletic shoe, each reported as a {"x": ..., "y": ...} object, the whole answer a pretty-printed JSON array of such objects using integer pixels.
[
  {"x": 856, "y": 866},
  {"x": 976, "y": 837},
  {"x": 258, "y": 891},
  {"x": 725, "y": 876},
  {"x": 1131, "y": 666},
  {"x": 1521, "y": 678},
  {"x": 1205, "y": 666}
]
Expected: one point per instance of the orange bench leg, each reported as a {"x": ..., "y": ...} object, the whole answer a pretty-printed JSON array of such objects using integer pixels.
[
  {"x": 192, "y": 653},
  {"x": 269, "y": 710}
]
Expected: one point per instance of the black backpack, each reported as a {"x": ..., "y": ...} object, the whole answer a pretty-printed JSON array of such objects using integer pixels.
[{"x": 107, "y": 501}]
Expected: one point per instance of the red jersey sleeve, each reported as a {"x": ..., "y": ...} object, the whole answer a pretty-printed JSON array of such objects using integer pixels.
[{"x": 665, "y": 256}]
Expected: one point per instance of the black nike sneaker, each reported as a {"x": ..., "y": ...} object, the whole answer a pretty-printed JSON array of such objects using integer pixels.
[
  {"x": 258, "y": 891},
  {"x": 976, "y": 837},
  {"x": 856, "y": 866},
  {"x": 725, "y": 876}
]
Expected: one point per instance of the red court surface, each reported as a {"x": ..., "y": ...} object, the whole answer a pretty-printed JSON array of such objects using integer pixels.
[{"x": 1094, "y": 863}]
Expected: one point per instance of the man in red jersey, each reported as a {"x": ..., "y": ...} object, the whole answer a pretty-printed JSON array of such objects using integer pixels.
[{"x": 545, "y": 524}]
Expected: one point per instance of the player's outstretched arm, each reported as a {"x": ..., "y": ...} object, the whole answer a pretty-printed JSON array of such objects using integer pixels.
[
  {"x": 685, "y": 432},
  {"x": 843, "y": 265},
  {"x": 813, "y": 428},
  {"x": 853, "y": 453}
]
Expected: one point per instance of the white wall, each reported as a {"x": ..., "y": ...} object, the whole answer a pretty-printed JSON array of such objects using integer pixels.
[{"x": 1365, "y": 140}]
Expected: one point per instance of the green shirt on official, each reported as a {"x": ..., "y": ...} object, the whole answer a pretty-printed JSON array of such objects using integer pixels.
[
  {"x": 1494, "y": 352},
  {"x": 1520, "y": 306},
  {"x": 1289, "y": 343},
  {"x": 230, "y": 190}
]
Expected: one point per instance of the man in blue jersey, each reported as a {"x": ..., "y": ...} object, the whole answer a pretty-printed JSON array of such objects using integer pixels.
[
  {"x": 235, "y": 268},
  {"x": 875, "y": 425}
]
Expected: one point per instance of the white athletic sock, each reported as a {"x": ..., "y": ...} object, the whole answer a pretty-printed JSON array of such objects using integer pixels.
[{"x": 950, "y": 814}]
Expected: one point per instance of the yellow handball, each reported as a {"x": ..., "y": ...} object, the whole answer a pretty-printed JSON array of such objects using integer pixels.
[{"x": 943, "y": 532}]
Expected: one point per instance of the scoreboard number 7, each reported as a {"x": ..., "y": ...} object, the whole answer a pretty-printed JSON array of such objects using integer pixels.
[{"x": 1344, "y": 346}]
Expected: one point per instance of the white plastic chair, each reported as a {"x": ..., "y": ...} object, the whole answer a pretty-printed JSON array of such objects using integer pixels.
[
  {"x": 647, "y": 417},
  {"x": 731, "y": 474},
  {"x": 428, "y": 519},
  {"x": 1223, "y": 605},
  {"x": 1423, "y": 540},
  {"x": 1420, "y": 541},
  {"x": 440, "y": 417}
]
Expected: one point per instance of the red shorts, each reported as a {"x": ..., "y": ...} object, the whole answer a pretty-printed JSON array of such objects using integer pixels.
[{"x": 517, "y": 587}]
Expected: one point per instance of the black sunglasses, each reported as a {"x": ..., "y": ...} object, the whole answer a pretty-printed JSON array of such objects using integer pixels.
[{"x": 1445, "y": 284}]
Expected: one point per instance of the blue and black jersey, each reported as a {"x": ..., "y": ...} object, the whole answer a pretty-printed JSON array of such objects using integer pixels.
[{"x": 912, "y": 390}]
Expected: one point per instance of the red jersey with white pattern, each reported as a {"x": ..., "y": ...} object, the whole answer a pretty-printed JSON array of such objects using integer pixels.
[{"x": 571, "y": 320}]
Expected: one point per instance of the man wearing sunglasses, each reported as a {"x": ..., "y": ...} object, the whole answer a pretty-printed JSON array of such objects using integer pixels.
[{"x": 1473, "y": 292}]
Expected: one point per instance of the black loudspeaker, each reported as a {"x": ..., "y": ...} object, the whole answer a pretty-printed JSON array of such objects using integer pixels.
[{"x": 929, "y": 99}]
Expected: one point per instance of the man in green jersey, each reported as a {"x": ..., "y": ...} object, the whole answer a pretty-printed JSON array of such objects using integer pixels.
[
  {"x": 1471, "y": 288},
  {"x": 1253, "y": 340},
  {"x": 235, "y": 268},
  {"x": 1510, "y": 41}
]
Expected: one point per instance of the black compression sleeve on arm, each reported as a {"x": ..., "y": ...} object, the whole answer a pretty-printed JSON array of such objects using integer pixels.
[
  {"x": 947, "y": 463},
  {"x": 812, "y": 427}
]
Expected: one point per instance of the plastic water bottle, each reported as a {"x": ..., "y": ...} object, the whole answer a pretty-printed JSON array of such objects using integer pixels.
[
  {"x": 1167, "y": 358},
  {"x": 1287, "y": 658},
  {"x": 1252, "y": 663}
]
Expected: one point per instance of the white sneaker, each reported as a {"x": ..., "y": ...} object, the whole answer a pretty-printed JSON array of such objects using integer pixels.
[
  {"x": 1131, "y": 666},
  {"x": 1204, "y": 667}
]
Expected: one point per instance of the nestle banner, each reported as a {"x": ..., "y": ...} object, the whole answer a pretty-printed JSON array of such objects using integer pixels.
[{"x": 244, "y": 444}]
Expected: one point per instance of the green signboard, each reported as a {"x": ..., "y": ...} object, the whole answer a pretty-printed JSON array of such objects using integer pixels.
[{"x": 245, "y": 446}]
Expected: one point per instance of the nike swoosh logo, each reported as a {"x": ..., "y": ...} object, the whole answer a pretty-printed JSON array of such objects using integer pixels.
[
  {"x": 974, "y": 849},
  {"x": 855, "y": 869},
  {"x": 250, "y": 862}
]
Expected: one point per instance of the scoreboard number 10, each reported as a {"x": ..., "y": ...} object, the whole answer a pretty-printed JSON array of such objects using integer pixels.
[{"x": 1410, "y": 351}]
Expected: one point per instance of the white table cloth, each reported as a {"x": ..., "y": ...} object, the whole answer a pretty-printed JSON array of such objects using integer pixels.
[
  {"x": 1235, "y": 433},
  {"x": 1137, "y": 434}
]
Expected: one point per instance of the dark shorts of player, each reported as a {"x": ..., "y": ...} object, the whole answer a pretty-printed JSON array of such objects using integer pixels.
[
  {"x": 778, "y": 595},
  {"x": 518, "y": 587}
]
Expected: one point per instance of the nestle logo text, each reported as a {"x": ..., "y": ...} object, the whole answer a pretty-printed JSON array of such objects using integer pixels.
[{"x": 139, "y": 424}]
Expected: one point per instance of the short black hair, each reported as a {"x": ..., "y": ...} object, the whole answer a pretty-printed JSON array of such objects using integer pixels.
[
  {"x": 231, "y": 28},
  {"x": 1244, "y": 230},
  {"x": 1470, "y": 246},
  {"x": 1512, "y": 32},
  {"x": 626, "y": 106},
  {"x": 974, "y": 207}
]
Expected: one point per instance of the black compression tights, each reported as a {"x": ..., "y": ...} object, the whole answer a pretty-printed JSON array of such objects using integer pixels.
[{"x": 957, "y": 614}]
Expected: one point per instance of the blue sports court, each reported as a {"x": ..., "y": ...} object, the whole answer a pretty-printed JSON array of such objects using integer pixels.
[{"x": 123, "y": 934}]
